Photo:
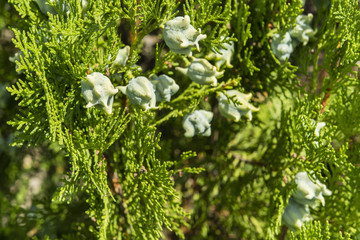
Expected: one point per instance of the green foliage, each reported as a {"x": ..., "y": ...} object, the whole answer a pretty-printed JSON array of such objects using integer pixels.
[
  {"x": 79, "y": 173},
  {"x": 314, "y": 230}
]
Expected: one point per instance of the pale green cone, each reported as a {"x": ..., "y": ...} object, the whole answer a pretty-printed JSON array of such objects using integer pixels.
[
  {"x": 295, "y": 215},
  {"x": 140, "y": 92},
  {"x": 282, "y": 46},
  {"x": 165, "y": 87},
  {"x": 98, "y": 91},
  {"x": 302, "y": 30},
  {"x": 180, "y": 36},
  {"x": 198, "y": 123},
  {"x": 308, "y": 192},
  {"x": 201, "y": 72},
  {"x": 241, "y": 107}
]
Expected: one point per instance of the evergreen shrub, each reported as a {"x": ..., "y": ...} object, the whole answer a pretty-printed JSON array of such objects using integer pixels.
[{"x": 187, "y": 119}]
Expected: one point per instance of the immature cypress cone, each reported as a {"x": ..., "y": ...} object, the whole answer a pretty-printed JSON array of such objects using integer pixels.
[
  {"x": 198, "y": 123},
  {"x": 165, "y": 87},
  {"x": 308, "y": 192},
  {"x": 140, "y": 92},
  {"x": 180, "y": 36},
  {"x": 201, "y": 72},
  {"x": 235, "y": 111},
  {"x": 98, "y": 91}
]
